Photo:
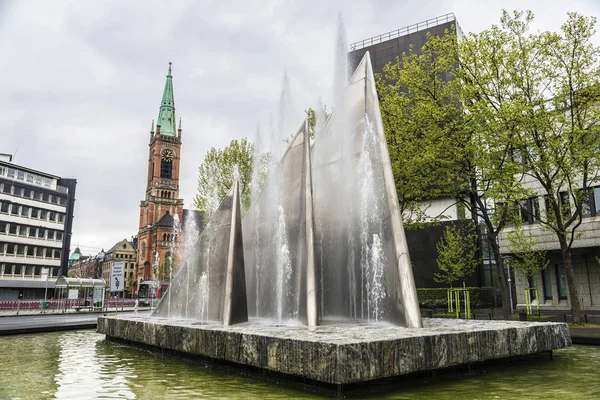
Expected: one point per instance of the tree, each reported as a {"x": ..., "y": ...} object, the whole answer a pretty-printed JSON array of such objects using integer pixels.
[
  {"x": 457, "y": 254},
  {"x": 445, "y": 138},
  {"x": 526, "y": 256},
  {"x": 423, "y": 123},
  {"x": 552, "y": 88},
  {"x": 216, "y": 175}
]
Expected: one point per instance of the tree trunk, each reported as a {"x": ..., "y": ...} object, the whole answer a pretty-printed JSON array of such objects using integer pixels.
[
  {"x": 506, "y": 311},
  {"x": 573, "y": 295}
]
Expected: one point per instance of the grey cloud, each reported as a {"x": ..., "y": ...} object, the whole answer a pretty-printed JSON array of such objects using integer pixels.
[{"x": 81, "y": 81}]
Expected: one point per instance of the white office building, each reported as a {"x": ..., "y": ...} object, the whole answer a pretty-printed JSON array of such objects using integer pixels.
[{"x": 36, "y": 212}]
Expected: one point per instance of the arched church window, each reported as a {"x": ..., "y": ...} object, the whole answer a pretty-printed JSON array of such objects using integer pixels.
[
  {"x": 143, "y": 249},
  {"x": 166, "y": 163}
]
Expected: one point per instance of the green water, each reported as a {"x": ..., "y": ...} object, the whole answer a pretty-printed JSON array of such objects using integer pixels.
[{"x": 82, "y": 365}]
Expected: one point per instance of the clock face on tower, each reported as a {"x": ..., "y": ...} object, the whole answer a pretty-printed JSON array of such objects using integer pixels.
[{"x": 167, "y": 155}]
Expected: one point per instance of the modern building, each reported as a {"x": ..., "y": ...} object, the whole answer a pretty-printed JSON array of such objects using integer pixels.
[
  {"x": 387, "y": 48},
  {"x": 86, "y": 266},
  {"x": 551, "y": 283},
  {"x": 161, "y": 208},
  {"x": 36, "y": 217},
  {"x": 125, "y": 251}
]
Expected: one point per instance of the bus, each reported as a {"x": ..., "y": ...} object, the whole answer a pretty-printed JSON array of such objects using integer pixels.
[{"x": 151, "y": 291}]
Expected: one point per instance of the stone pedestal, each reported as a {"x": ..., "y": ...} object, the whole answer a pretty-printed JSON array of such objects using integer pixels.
[{"x": 343, "y": 353}]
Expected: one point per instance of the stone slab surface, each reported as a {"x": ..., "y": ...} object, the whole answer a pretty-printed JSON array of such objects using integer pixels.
[{"x": 344, "y": 352}]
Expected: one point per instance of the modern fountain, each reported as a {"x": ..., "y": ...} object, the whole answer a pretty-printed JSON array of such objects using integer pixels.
[{"x": 320, "y": 284}]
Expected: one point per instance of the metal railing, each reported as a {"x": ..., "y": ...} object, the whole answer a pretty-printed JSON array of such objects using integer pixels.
[
  {"x": 64, "y": 305},
  {"x": 430, "y": 23}
]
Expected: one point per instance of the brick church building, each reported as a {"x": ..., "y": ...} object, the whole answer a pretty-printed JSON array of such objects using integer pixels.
[{"x": 156, "y": 236}]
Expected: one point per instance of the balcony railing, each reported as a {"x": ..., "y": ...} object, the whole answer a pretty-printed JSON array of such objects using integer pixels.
[{"x": 419, "y": 26}]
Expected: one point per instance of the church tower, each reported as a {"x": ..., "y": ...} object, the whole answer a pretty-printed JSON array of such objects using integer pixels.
[{"x": 156, "y": 234}]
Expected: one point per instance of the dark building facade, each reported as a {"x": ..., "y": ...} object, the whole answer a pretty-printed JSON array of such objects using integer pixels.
[
  {"x": 36, "y": 219},
  {"x": 386, "y": 48}
]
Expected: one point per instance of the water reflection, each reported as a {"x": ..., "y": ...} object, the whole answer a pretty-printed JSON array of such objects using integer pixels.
[
  {"x": 82, "y": 365},
  {"x": 85, "y": 372}
]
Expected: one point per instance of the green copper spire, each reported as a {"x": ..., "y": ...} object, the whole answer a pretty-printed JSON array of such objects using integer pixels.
[
  {"x": 166, "y": 116},
  {"x": 179, "y": 128},
  {"x": 152, "y": 129}
]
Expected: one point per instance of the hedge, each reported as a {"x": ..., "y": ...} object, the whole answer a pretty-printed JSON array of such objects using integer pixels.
[{"x": 481, "y": 297}]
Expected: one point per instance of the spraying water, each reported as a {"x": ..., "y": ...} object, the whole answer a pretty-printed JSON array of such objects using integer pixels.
[
  {"x": 357, "y": 238},
  {"x": 340, "y": 73}
]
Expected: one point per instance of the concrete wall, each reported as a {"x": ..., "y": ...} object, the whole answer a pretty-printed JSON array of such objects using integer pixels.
[{"x": 587, "y": 278}]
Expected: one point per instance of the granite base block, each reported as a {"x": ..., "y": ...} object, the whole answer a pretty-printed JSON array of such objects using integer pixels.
[{"x": 343, "y": 353}]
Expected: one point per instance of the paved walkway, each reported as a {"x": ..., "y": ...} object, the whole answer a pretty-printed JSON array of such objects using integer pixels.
[{"x": 13, "y": 325}]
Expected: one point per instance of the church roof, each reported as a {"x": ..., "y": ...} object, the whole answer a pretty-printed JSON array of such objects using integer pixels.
[
  {"x": 76, "y": 255},
  {"x": 166, "y": 115},
  {"x": 117, "y": 245},
  {"x": 167, "y": 221}
]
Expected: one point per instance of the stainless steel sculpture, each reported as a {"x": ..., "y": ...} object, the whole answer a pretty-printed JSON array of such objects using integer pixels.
[
  {"x": 362, "y": 253},
  {"x": 343, "y": 252},
  {"x": 279, "y": 240},
  {"x": 211, "y": 284}
]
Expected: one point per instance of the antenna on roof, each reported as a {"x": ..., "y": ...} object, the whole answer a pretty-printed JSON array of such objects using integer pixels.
[{"x": 15, "y": 155}]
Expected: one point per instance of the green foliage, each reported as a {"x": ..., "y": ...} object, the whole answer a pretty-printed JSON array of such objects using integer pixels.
[
  {"x": 423, "y": 123},
  {"x": 545, "y": 97},
  {"x": 526, "y": 257},
  {"x": 438, "y": 297},
  {"x": 216, "y": 174},
  {"x": 519, "y": 107},
  {"x": 432, "y": 297},
  {"x": 457, "y": 254}
]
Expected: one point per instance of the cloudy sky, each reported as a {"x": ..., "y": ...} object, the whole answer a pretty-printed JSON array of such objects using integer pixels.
[{"x": 81, "y": 81}]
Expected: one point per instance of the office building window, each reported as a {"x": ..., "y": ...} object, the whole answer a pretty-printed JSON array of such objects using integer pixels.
[
  {"x": 565, "y": 204},
  {"x": 529, "y": 210}
]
